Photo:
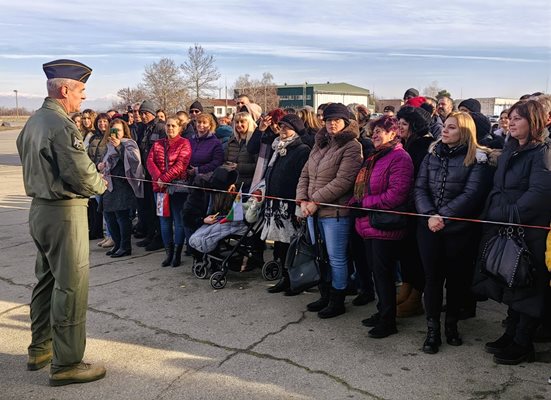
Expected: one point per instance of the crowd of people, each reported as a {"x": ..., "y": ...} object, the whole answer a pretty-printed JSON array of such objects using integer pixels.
[{"x": 324, "y": 166}]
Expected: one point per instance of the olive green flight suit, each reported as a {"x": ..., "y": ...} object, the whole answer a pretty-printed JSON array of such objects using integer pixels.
[{"x": 60, "y": 177}]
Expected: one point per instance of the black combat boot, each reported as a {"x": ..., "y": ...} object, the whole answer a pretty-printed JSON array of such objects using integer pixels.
[
  {"x": 177, "y": 259},
  {"x": 336, "y": 304},
  {"x": 323, "y": 301},
  {"x": 451, "y": 332},
  {"x": 433, "y": 340},
  {"x": 169, "y": 254}
]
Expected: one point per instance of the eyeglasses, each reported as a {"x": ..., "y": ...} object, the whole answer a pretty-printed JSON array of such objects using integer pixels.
[
  {"x": 239, "y": 103},
  {"x": 195, "y": 111}
]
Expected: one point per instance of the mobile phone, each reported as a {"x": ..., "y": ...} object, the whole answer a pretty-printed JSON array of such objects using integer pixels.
[{"x": 113, "y": 132}]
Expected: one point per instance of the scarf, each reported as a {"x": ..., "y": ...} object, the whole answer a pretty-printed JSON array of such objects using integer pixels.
[
  {"x": 133, "y": 168},
  {"x": 280, "y": 147},
  {"x": 362, "y": 180}
]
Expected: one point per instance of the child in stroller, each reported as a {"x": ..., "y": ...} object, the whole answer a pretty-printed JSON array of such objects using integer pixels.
[{"x": 220, "y": 244}]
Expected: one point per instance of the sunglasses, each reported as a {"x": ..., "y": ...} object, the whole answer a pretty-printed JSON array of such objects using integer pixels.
[{"x": 195, "y": 111}]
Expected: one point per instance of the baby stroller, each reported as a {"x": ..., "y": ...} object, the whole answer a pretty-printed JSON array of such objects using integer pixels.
[{"x": 225, "y": 243}]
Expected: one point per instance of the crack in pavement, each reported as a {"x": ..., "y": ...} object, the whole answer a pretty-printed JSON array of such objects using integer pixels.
[
  {"x": 15, "y": 245},
  {"x": 121, "y": 279},
  {"x": 497, "y": 393},
  {"x": 116, "y": 260},
  {"x": 13, "y": 308},
  {"x": 237, "y": 350},
  {"x": 173, "y": 382},
  {"x": 252, "y": 346},
  {"x": 11, "y": 282}
]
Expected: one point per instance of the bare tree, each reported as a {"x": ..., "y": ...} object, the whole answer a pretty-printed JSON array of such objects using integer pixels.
[
  {"x": 128, "y": 97},
  {"x": 200, "y": 71},
  {"x": 261, "y": 91},
  {"x": 164, "y": 85},
  {"x": 432, "y": 89}
]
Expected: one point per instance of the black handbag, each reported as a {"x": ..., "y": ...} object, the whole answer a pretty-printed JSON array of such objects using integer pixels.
[
  {"x": 387, "y": 221},
  {"x": 506, "y": 258},
  {"x": 304, "y": 260}
]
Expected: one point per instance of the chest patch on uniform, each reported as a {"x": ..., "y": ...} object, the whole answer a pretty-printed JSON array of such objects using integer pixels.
[{"x": 77, "y": 143}]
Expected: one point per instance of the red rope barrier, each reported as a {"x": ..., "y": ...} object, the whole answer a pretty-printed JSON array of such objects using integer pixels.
[{"x": 410, "y": 214}]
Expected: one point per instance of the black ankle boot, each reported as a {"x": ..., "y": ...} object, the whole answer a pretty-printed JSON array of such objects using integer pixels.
[
  {"x": 335, "y": 306},
  {"x": 283, "y": 284},
  {"x": 169, "y": 254},
  {"x": 177, "y": 259},
  {"x": 451, "y": 332},
  {"x": 498, "y": 345},
  {"x": 433, "y": 339},
  {"x": 515, "y": 354},
  {"x": 323, "y": 301}
]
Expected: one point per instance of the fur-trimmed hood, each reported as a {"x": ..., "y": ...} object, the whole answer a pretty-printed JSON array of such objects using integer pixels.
[{"x": 349, "y": 133}]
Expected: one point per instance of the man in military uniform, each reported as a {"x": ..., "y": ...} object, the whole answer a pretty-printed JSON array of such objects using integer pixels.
[{"x": 60, "y": 178}]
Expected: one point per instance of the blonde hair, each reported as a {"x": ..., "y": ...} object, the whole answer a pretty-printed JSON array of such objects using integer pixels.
[
  {"x": 208, "y": 118},
  {"x": 467, "y": 135},
  {"x": 251, "y": 125},
  {"x": 310, "y": 119}
]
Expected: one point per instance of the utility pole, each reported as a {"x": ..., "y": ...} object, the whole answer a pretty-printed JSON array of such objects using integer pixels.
[{"x": 16, "y": 105}]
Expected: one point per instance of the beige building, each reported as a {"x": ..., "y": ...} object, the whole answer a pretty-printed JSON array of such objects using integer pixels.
[{"x": 492, "y": 105}]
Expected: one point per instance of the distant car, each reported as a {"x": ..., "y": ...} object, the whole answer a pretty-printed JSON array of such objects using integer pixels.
[
  {"x": 375, "y": 115},
  {"x": 493, "y": 118}
]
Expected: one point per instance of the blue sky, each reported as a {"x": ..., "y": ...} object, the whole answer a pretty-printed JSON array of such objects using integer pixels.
[{"x": 472, "y": 48}]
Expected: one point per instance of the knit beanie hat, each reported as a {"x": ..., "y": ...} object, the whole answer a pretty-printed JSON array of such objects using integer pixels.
[
  {"x": 482, "y": 123},
  {"x": 196, "y": 105},
  {"x": 473, "y": 105},
  {"x": 417, "y": 118},
  {"x": 147, "y": 105},
  {"x": 335, "y": 111},
  {"x": 411, "y": 92},
  {"x": 427, "y": 107},
  {"x": 416, "y": 101},
  {"x": 293, "y": 121}
]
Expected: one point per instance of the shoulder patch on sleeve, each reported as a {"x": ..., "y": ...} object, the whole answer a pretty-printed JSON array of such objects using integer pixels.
[{"x": 77, "y": 142}]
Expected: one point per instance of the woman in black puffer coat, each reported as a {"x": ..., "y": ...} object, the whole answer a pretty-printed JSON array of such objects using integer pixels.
[
  {"x": 414, "y": 125},
  {"x": 453, "y": 181},
  {"x": 522, "y": 182}
]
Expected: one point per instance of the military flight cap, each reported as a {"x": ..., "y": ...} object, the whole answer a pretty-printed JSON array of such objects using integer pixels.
[{"x": 69, "y": 69}]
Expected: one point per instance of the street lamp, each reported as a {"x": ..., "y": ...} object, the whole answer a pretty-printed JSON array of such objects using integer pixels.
[{"x": 16, "y": 105}]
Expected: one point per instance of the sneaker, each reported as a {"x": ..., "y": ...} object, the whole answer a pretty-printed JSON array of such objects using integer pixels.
[
  {"x": 80, "y": 373},
  {"x": 36, "y": 362},
  {"x": 372, "y": 321}
]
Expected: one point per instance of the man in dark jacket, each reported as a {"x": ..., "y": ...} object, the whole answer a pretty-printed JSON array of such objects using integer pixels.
[
  {"x": 152, "y": 130},
  {"x": 195, "y": 109}
]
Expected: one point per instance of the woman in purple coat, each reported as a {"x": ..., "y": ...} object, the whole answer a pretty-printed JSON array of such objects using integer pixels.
[
  {"x": 206, "y": 155},
  {"x": 384, "y": 182}
]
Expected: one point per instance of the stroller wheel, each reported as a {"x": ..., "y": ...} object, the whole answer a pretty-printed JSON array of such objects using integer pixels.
[
  {"x": 272, "y": 271},
  {"x": 201, "y": 270},
  {"x": 218, "y": 280}
]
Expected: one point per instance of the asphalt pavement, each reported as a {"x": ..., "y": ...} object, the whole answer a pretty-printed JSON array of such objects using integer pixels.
[{"x": 164, "y": 334}]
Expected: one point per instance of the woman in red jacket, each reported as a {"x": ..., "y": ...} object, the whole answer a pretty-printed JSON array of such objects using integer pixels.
[{"x": 168, "y": 160}]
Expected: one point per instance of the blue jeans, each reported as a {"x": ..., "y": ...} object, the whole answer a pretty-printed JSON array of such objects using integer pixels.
[
  {"x": 335, "y": 233},
  {"x": 169, "y": 234}
]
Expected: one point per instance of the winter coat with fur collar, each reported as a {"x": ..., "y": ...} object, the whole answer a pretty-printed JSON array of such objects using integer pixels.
[{"x": 331, "y": 169}]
